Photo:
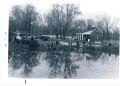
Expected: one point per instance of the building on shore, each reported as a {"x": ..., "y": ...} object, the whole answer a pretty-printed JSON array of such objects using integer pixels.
[{"x": 93, "y": 36}]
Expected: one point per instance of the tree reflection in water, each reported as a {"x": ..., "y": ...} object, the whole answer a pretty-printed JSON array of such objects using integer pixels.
[
  {"x": 25, "y": 58},
  {"x": 30, "y": 60},
  {"x": 61, "y": 64},
  {"x": 94, "y": 54}
]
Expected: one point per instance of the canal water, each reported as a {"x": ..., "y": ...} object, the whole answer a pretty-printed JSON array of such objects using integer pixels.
[{"x": 90, "y": 64}]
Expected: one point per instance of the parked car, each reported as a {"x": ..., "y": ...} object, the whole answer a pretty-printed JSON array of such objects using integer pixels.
[
  {"x": 45, "y": 38},
  {"x": 29, "y": 37},
  {"x": 35, "y": 37}
]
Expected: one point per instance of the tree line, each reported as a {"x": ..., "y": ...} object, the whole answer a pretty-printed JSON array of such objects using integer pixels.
[{"x": 62, "y": 20}]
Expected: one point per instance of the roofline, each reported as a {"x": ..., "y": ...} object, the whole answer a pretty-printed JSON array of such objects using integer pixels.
[
  {"x": 92, "y": 31},
  {"x": 84, "y": 32},
  {"x": 98, "y": 29}
]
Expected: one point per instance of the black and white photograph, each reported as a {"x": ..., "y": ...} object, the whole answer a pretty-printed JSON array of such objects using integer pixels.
[{"x": 63, "y": 41}]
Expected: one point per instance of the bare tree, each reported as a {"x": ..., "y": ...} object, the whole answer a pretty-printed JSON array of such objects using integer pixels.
[
  {"x": 16, "y": 17},
  {"x": 23, "y": 18},
  {"x": 107, "y": 24},
  {"x": 30, "y": 16},
  {"x": 71, "y": 11},
  {"x": 80, "y": 25},
  {"x": 116, "y": 34},
  {"x": 61, "y": 18},
  {"x": 90, "y": 24}
]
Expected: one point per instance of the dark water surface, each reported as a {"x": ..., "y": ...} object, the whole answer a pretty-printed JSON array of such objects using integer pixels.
[{"x": 84, "y": 63}]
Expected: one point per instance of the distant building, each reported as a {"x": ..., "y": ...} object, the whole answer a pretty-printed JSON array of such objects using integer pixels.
[
  {"x": 20, "y": 34},
  {"x": 95, "y": 35}
]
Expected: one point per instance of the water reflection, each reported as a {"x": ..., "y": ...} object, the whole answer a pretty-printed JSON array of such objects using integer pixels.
[
  {"x": 25, "y": 58},
  {"x": 60, "y": 64},
  {"x": 93, "y": 54}
]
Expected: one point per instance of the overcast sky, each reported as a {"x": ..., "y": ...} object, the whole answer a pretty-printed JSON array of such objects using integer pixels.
[{"x": 89, "y": 8}]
